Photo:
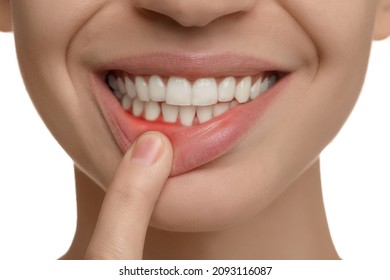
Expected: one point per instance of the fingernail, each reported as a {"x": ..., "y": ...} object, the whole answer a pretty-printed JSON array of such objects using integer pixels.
[{"x": 146, "y": 149}]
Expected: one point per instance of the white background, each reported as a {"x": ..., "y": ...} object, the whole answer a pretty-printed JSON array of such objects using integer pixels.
[{"x": 37, "y": 199}]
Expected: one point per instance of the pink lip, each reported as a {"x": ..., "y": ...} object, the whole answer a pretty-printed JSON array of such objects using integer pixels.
[{"x": 197, "y": 145}]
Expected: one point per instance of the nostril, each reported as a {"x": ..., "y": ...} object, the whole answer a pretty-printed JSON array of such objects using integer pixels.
[
  {"x": 191, "y": 13},
  {"x": 177, "y": 18},
  {"x": 154, "y": 16}
]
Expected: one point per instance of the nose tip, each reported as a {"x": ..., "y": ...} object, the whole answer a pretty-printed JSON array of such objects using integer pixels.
[{"x": 195, "y": 13}]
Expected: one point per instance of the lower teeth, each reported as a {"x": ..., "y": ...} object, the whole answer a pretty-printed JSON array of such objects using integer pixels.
[{"x": 186, "y": 115}]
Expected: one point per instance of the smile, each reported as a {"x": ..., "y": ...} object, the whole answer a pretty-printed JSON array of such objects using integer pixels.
[
  {"x": 203, "y": 103},
  {"x": 177, "y": 100}
]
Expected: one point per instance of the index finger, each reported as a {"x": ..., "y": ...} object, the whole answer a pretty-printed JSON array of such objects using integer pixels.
[{"x": 129, "y": 202}]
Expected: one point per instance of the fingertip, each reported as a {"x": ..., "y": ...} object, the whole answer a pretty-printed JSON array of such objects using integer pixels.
[
  {"x": 146, "y": 149},
  {"x": 151, "y": 147},
  {"x": 167, "y": 145}
]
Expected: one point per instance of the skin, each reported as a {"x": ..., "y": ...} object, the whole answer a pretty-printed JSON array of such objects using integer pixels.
[{"x": 124, "y": 212}]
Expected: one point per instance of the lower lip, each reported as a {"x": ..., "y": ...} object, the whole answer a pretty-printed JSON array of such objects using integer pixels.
[{"x": 193, "y": 146}]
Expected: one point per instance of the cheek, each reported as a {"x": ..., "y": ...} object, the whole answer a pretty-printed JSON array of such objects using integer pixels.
[
  {"x": 56, "y": 83},
  {"x": 326, "y": 93}
]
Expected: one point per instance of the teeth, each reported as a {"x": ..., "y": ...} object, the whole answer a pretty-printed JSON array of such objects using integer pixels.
[
  {"x": 130, "y": 88},
  {"x": 204, "y": 92},
  {"x": 118, "y": 94},
  {"x": 187, "y": 114},
  {"x": 121, "y": 86},
  {"x": 142, "y": 89},
  {"x": 138, "y": 107},
  {"x": 255, "y": 89},
  {"x": 264, "y": 85},
  {"x": 112, "y": 82},
  {"x": 243, "y": 90},
  {"x": 226, "y": 89},
  {"x": 272, "y": 80},
  {"x": 126, "y": 102},
  {"x": 220, "y": 108},
  {"x": 204, "y": 113},
  {"x": 178, "y": 92},
  {"x": 152, "y": 111},
  {"x": 169, "y": 112},
  {"x": 157, "y": 89},
  {"x": 233, "y": 104},
  {"x": 183, "y": 102}
]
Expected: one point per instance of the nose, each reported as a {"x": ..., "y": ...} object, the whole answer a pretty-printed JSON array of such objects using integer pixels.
[{"x": 195, "y": 13}]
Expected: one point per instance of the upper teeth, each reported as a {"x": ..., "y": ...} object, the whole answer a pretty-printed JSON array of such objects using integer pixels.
[{"x": 203, "y": 97}]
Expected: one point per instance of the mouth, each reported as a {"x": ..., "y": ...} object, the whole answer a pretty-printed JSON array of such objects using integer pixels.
[{"x": 202, "y": 107}]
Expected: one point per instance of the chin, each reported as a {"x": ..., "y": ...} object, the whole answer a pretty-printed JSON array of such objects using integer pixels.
[{"x": 211, "y": 198}]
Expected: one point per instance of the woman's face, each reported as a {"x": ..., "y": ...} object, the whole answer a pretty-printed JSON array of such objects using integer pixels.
[{"x": 309, "y": 57}]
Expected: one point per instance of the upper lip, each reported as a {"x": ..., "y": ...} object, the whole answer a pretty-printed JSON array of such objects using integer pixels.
[{"x": 192, "y": 65}]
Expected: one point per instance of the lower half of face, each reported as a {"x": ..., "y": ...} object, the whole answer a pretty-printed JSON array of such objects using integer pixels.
[{"x": 248, "y": 93}]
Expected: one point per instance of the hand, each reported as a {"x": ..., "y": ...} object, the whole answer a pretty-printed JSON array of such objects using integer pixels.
[{"x": 130, "y": 199}]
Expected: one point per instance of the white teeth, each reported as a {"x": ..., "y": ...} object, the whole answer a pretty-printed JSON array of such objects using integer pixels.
[
  {"x": 264, "y": 85},
  {"x": 233, "y": 104},
  {"x": 243, "y": 90},
  {"x": 169, "y": 112},
  {"x": 157, "y": 89},
  {"x": 204, "y": 92},
  {"x": 204, "y": 100},
  {"x": 138, "y": 107},
  {"x": 152, "y": 111},
  {"x": 220, "y": 108},
  {"x": 121, "y": 86},
  {"x": 126, "y": 102},
  {"x": 142, "y": 89},
  {"x": 255, "y": 89},
  {"x": 112, "y": 82},
  {"x": 226, "y": 89},
  {"x": 187, "y": 114},
  {"x": 178, "y": 92},
  {"x": 130, "y": 88},
  {"x": 204, "y": 113}
]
